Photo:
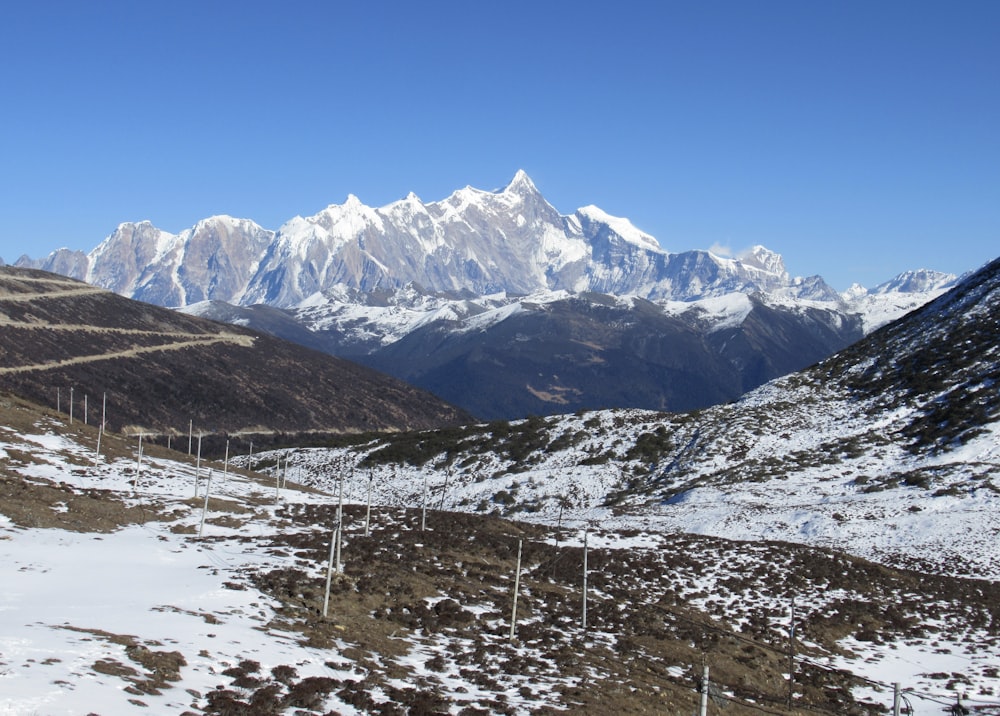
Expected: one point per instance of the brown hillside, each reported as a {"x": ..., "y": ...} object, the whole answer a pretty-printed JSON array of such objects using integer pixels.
[{"x": 161, "y": 369}]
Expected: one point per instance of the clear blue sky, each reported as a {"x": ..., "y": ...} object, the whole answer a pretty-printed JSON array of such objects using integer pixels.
[{"x": 856, "y": 138}]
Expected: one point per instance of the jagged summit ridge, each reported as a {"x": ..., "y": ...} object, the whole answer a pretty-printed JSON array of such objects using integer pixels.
[
  {"x": 481, "y": 242},
  {"x": 916, "y": 281},
  {"x": 521, "y": 184}
]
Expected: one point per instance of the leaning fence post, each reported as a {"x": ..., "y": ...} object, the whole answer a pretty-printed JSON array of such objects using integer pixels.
[
  {"x": 368, "y": 512},
  {"x": 138, "y": 466},
  {"x": 704, "y": 691},
  {"x": 277, "y": 482},
  {"x": 517, "y": 587},
  {"x": 340, "y": 523},
  {"x": 97, "y": 453},
  {"x": 197, "y": 468},
  {"x": 447, "y": 477},
  {"x": 583, "y": 620},
  {"x": 423, "y": 509},
  {"x": 204, "y": 509},
  {"x": 334, "y": 538}
]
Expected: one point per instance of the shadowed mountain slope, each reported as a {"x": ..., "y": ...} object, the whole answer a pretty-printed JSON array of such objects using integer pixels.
[
  {"x": 161, "y": 369},
  {"x": 592, "y": 351}
]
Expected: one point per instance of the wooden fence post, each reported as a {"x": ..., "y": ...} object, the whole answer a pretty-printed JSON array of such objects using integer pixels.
[
  {"x": 517, "y": 587},
  {"x": 703, "y": 709},
  {"x": 204, "y": 509},
  {"x": 197, "y": 468},
  {"x": 334, "y": 537},
  {"x": 340, "y": 523},
  {"x": 791, "y": 655},
  {"x": 583, "y": 621},
  {"x": 423, "y": 517},
  {"x": 368, "y": 512},
  {"x": 138, "y": 466}
]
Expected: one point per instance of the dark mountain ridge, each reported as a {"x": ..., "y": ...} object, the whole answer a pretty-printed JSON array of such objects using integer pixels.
[
  {"x": 943, "y": 359},
  {"x": 161, "y": 369},
  {"x": 591, "y": 351}
]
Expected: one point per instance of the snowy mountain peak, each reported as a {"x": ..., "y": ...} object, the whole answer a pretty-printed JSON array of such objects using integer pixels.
[
  {"x": 341, "y": 221},
  {"x": 521, "y": 184},
  {"x": 621, "y": 226},
  {"x": 407, "y": 206},
  {"x": 764, "y": 259},
  {"x": 918, "y": 281},
  {"x": 352, "y": 204},
  {"x": 130, "y": 226},
  {"x": 219, "y": 219},
  {"x": 227, "y": 222},
  {"x": 893, "y": 299},
  {"x": 855, "y": 292}
]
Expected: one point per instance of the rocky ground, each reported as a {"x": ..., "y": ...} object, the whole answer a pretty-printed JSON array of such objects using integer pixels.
[{"x": 120, "y": 588}]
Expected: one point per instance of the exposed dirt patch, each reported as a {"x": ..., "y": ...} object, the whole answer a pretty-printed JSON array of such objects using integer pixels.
[
  {"x": 59, "y": 505},
  {"x": 158, "y": 669}
]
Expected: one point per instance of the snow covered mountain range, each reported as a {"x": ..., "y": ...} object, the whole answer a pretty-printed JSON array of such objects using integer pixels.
[
  {"x": 441, "y": 293},
  {"x": 864, "y": 491},
  {"x": 475, "y": 243}
]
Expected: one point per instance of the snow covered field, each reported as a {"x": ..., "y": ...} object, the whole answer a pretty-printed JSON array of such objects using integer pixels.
[{"x": 147, "y": 613}]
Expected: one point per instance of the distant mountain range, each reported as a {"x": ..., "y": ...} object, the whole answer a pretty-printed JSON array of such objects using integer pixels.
[{"x": 499, "y": 303}]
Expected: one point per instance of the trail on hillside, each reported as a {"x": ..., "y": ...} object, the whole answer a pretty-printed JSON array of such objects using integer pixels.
[
  {"x": 74, "y": 292},
  {"x": 192, "y": 340},
  {"x": 176, "y": 341},
  {"x": 71, "y": 290}
]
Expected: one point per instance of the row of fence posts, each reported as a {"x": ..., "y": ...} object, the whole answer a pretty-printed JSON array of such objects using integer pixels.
[
  {"x": 335, "y": 564},
  {"x": 139, "y": 455},
  {"x": 86, "y": 414},
  {"x": 705, "y": 689},
  {"x": 281, "y": 476},
  {"x": 86, "y": 406},
  {"x": 336, "y": 540}
]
